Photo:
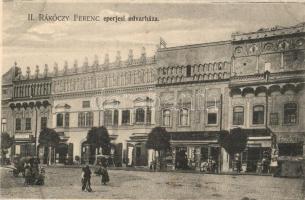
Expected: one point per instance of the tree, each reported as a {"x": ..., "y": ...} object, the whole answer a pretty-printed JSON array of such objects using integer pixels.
[
  {"x": 233, "y": 142},
  {"x": 49, "y": 138},
  {"x": 6, "y": 142},
  {"x": 99, "y": 137},
  {"x": 158, "y": 140}
]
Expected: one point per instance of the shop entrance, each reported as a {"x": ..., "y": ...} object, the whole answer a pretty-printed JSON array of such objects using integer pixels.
[
  {"x": 181, "y": 158},
  {"x": 61, "y": 152}
]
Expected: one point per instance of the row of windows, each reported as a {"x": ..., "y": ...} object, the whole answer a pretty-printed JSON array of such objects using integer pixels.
[
  {"x": 28, "y": 123},
  {"x": 184, "y": 119},
  {"x": 258, "y": 116},
  {"x": 111, "y": 118}
]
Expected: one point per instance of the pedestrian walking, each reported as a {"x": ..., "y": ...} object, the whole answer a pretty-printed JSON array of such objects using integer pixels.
[
  {"x": 87, "y": 178},
  {"x": 27, "y": 174},
  {"x": 83, "y": 179},
  {"x": 105, "y": 176}
]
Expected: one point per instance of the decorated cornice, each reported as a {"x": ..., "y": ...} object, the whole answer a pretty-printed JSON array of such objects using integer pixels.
[
  {"x": 120, "y": 90},
  {"x": 269, "y": 32},
  {"x": 84, "y": 69}
]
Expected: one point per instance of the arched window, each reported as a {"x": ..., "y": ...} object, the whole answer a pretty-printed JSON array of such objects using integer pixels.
[
  {"x": 258, "y": 114},
  {"x": 140, "y": 115},
  {"x": 290, "y": 113},
  {"x": 166, "y": 116},
  {"x": 59, "y": 120},
  {"x": 238, "y": 115},
  {"x": 183, "y": 117}
]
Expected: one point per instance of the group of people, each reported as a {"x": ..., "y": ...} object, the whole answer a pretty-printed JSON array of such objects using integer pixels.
[
  {"x": 33, "y": 175},
  {"x": 86, "y": 176},
  {"x": 209, "y": 165}
]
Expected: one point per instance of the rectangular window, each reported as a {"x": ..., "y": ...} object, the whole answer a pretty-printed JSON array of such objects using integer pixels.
[
  {"x": 28, "y": 123},
  {"x": 108, "y": 117},
  {"x": 18, "y": 124},
  {"x": 43, "y": 122},
  {"x": 86, "y": 104},
  {"x": 212, "y": 118},
  {"x": 290, "y": 113},
  {"x": 115, "y": 117},
  {"x": 166, "y": 117},
  {"x": 67, "y": 120},
  {"x": 274, "y": 118},
  {"x": 85, "y": 119},
  {"x": 148, "y": 116},
  {"x": 258, "y": 115},
  {"x": 125, "y": 117},
  {"x": 59, "y": 120},
  {"x": 238, "y": 115},
  {"x": 3, "y": 125}
]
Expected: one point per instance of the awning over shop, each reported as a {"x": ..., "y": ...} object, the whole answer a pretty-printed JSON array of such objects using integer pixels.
[
  {"x": 195, "y": 135},
  {"x": 262, "y": 132}
]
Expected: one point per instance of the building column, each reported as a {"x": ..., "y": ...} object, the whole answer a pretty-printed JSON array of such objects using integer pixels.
[
  {"x": 174, "y": 157},
  {"x": 120, "y": 117}
]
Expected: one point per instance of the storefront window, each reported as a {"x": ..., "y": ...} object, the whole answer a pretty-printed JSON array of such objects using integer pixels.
[
  {"x": 258, "y": 114},
  {"x": 238, "y": 115},
  {"x": 290, "y": 149},
  {"x": 290, "y": 113}
]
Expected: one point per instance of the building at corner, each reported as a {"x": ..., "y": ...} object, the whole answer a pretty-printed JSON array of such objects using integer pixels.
[{"x": 254, "y": 81}]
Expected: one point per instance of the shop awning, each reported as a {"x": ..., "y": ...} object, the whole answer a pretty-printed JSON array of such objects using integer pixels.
[
  {"x": 262, "y": 132},
  {"x": 195, "y": 135}
]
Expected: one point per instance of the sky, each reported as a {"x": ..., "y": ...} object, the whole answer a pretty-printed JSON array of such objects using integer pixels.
[{"x": 32, "y": 43}]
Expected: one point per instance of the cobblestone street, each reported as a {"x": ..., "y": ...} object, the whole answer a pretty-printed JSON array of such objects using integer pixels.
[{"x": 65, "y": 183}]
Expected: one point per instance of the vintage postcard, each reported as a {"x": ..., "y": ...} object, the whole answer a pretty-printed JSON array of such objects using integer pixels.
[{"x": 152, "y": 100}]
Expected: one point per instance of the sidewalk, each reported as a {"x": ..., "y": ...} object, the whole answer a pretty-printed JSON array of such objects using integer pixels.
[{"x": 146, "y": 169}]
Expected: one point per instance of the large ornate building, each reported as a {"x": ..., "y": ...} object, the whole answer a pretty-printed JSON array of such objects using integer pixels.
[{"x": 254, "y": 81}]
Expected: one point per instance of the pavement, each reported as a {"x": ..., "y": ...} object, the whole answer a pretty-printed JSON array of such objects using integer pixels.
[{"x": 65, "y": 183}]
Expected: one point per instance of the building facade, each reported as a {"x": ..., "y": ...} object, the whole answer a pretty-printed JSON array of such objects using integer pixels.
[{"x": 254, "y": 81}]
